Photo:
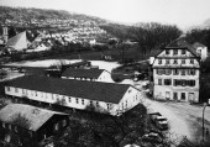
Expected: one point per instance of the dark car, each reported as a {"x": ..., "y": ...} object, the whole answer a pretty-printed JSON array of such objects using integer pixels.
[{"x": 152, "y": 137}]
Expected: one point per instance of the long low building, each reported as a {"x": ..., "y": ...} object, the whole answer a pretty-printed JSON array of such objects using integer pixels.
[
  {"x": 99, "y": 75},
  {"x": 107, "y": 98}
]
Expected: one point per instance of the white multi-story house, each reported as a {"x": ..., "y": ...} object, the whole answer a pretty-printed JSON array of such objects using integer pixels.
[
  {"x": 109, "y": 98},
  {"x": 90, "y": 74},
  {"x": 176, "y": 73},
  {"x": 202, "y": 50}
]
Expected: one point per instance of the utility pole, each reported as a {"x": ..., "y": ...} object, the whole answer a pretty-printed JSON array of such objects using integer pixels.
[{"x": 203, "y": 127}]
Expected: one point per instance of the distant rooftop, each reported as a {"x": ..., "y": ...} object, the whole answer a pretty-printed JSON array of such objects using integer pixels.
[
  {"x": 88, "y": 73},
  {"x": 35, "y": 117}
]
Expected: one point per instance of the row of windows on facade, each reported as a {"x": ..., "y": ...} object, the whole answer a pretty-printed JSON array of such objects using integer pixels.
[
  {"x": 175, "y": 95},
  {"x": 175, "y": 52},
  {"x": 176, "y": 71},
  {"x": 175, "y": 61},
  {"x": 56, "y": 96},
  {"x": 176, "y": 82}
]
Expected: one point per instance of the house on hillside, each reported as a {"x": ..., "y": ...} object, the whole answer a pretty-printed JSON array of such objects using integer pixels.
[
  {"x": 109, "y": 98},
  {"x": 176, "y": 72},
  {"x": 92, "y": 74},
  {"x": 20, "y": 123},
  {"x": 202, "y": 50},
  {"x": 18, "y": 42}
]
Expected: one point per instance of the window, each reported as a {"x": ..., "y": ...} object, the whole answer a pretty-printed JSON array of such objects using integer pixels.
[
  {"x": 191, "y": 71},
  {"x": 159, "y": 81},
  {"x": 56, "y": 127},
  {"x": 77, "y": 100},
  {"x": 167, "y": 61},
  {"x": 83, "y": 101},
  {"x": 191, "y": 83},
  {"x": 183, "y": 61},
  {"x": 175, "y": 61},
  {"x": 97, "y": 104},
  {"x": 175, "y": 52},
  {"x": 16, "y": 90},
  {"x": 167, "y": 71},
  {"x": 64, "y": 123},
  {"x": 191, "y": 61},
  {"x": 183, "y": 72},
  {"x": 159, "y": 61},
  {"x": 176, "y": 71},
  {"x": 159, "y": 71},
  {"x": 183, "y": 52},
  {"x": 175, "y": 96},
  {"x": 35, "y": 93},
  {"x": 167, "y": 52},
  {"x": 8, "y": 88},
  {"x": 91, "y": 103},
  {"x": 108, "y": 106},
  {"x": 183, "y": 96},
  {"x": 69, "y": 99},
  {"x": 167, "y": 82}
]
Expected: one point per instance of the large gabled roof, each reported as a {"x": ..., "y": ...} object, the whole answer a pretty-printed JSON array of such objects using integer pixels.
[
  {"x": 107, "y": 92},
  {"x": 87, "y": 73},
  {"x": 182, "y": 44},
  {"x": 18, "y": 42},
  {"x": 33, "y": 118}
]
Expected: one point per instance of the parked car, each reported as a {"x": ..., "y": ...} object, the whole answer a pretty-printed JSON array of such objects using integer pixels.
[
  {"x": 152, "y": 137},
  {"x": 154, "y": 116},
  {"x": 162, "y": 123}
]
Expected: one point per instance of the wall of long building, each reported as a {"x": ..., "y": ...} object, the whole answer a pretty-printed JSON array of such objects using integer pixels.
[{"x": 70, "y": 101}]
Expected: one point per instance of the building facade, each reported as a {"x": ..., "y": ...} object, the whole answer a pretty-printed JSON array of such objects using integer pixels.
[
  {"x": 176, "y": 73},
  {"x": 202, "y": 50},
  {"x": 109, "y": 98}
]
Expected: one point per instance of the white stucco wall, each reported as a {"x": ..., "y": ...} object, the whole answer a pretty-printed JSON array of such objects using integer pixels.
[
  {"x": 164, "y": 91},
  {"x": 132, "y": 97},
  {"x": 105, "y": 77},
  {"x": 63, "y": 100}
]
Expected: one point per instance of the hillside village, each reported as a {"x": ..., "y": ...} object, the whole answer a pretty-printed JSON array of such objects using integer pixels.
[{"x": 75, "y": 82}]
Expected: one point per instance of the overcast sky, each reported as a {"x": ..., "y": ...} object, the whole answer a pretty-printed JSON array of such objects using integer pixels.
[{"x": 183, "y": 13}]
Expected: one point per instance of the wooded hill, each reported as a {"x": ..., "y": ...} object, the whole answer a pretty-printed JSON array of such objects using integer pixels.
[{"x": 17, "y": 13}]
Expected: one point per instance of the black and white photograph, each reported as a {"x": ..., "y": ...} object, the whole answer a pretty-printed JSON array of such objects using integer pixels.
[{"x": 104, "y": 73}]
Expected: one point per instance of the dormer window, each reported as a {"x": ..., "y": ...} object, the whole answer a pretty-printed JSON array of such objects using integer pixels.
[
  {"x": 167, "y": 52},
  {"x": 175, "y": 52},
  {"x": 159, "y": 61},
  {"x": 183, "y": 52}
]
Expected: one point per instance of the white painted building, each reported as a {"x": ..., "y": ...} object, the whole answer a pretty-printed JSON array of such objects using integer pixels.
[
  {"x": 109, "y": 98},
  {"x": 90, "y": 74},
  {"x": 202, "y": 50},
  {"x": 176, "y": 72}
]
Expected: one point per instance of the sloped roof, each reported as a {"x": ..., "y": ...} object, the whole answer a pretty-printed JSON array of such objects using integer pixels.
[
  {"x": 180, "y": 43},
  {"x": 18, "y": 42},
  {"x": 35, "y": 117},
  {"x": 198, "y": 44},
  {"x": 88, "y": 73},
  {"x": 107, "y": 92}
]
